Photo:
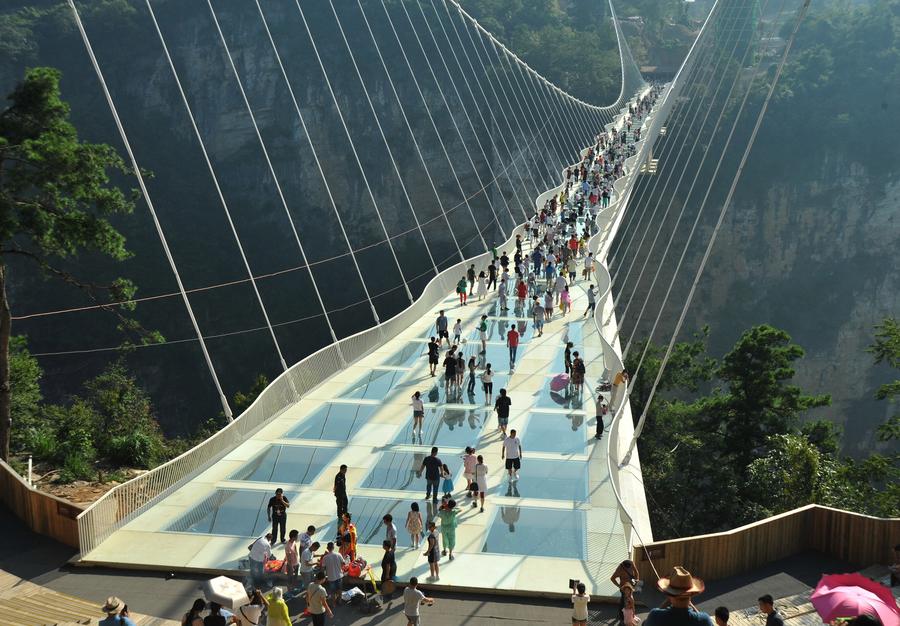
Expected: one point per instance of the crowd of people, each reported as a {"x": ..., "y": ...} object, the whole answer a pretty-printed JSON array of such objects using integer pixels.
[{"x": 539, "y": 282}]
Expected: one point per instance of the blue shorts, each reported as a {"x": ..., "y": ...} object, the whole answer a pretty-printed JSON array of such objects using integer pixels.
[
  {"x": 333, "y": 586},
  {"x": 503, "y": 421}
]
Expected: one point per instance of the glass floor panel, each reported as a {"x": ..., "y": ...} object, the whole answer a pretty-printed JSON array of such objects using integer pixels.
[
  {"x": 564, "y": 433},
  {"x": 293, "y": 465},
  {"x": 434, "y": 390},
  {"x": 444, "y": 426},
  {"x": 537, "y": 532},
  {"x": 547, "y": 480},
  {"x": 407, "y": 356},
  {"x": 368, "y": 513},
  {"x": 565, "y": 398},
  {"x": 334, "y": 421},
  {"x": 398, "y": 470},
  {"x": 373, "y": 386},
  {"x": 233, "y": 512},
  {"x": 497, "y": 355},
  {"x": 497, "y": 330}
]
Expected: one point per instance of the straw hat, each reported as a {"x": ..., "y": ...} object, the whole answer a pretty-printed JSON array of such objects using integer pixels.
[
  {"x": 680, "y": 583},
  {"x": 113, "y": 604}
]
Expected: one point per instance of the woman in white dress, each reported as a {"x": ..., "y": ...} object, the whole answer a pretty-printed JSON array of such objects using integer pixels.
[{"x": 482, "y": 285}]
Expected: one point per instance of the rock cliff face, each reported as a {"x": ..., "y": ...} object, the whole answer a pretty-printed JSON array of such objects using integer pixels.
[
  {"x": 810, "y": 248},
  {"x": 813, "y": 251},
  {"x": 454, "y": 147}
]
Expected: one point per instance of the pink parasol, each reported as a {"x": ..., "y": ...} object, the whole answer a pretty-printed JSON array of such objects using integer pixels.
[
  {"x": 559, "y": 382},
  {"x": 850, "y": 595}
]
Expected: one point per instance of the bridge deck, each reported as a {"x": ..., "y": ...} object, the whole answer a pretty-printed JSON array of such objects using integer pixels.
[{"x": 561, "y": 514}]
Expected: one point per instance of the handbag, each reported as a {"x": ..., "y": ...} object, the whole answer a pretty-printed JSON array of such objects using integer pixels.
[{"x": 388, "y": 587}]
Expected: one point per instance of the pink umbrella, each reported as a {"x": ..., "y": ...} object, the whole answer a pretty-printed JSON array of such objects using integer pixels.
[
  {"x": 559, "y": 382},
  {"x": 850, "y": 595}
]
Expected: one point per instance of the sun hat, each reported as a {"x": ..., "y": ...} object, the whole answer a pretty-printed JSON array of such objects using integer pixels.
[
  {"x": 112, "y": 605},
  {"x": 680, "y": 583}
]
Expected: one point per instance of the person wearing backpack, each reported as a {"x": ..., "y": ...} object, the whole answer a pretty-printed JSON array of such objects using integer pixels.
[{"x": 578, "y": 371}]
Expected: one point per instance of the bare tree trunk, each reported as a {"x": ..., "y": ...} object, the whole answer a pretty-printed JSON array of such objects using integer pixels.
[{"x": 5, "y": 391}]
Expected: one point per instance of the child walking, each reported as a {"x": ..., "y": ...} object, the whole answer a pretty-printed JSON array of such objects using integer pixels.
[{"x": 448, "y": 481}]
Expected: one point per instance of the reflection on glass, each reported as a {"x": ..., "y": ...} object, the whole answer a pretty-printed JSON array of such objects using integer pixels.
[
  {"x": 537, "y": 532},
  {"x": 368, "y": 513},
  {"x": 375, "y": 385},
  {"x": 442, "y": 426},
  {"x": 408, "y": 355},
  {"x": 400, "y": 470},
  {"x": 293, "y": 465},
  {"x": 230, "y": 512},
  {"x": 551, "y": 480},
  {"x": 333, "y": 422},
  {"x": 556, "y": 432},
  {"x": 564, "y": 397}
]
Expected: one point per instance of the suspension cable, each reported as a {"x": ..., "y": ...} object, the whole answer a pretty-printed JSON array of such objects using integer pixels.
[
  {"x": 734, "y": 181},
  {"x": 412, "y": 134},
  {"x": 383, "y": 136},
  {"x": 443, "y": 96},
  {"x": 359, "y": 164},
  {"x": 156, "y": 223},
  {"x": 517, "y": 189},
  {"x": 433, "y": 124},
  {"x": 466, "y": 113}
]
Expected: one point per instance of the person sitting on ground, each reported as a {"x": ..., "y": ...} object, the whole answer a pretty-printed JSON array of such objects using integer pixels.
[
  {"x": 116, "y": 613},
  {"x": 680, "y": 587},
  {"x": 767, "y": 606}
]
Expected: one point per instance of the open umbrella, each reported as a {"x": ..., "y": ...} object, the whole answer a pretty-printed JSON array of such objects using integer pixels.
[
  {"x": 850, "y": 595},
  {"x": 559, "y": 382},
  {"x": 225, "y": 591}
]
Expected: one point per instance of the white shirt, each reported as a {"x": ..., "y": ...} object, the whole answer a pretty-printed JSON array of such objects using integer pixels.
[
  {"x": 412, "y": 598},
  {"x": 305, "y": 541},
  {"x": 511, "y": 447},
  {"x": 457, "y": 328},
  {"x": 418, "y": 404},
  {"x": 332, "y": 562},
  {"x": 260, "y": 551},
  {"x": 581, "y": 606},
  {"x": 560, "y": 282},
  {"x": 391, "y": 532},
  {"x": 306, "y": 561}
]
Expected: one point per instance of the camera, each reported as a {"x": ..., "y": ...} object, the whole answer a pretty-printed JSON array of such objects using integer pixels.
[{"x": 573, "y": 583}]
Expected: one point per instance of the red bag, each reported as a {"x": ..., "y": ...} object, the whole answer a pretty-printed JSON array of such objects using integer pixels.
[{"x": 274, "y": 566}]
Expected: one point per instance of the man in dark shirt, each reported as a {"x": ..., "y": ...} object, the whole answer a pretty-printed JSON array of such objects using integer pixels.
[
  {"x": 492, "y": 276},
  {"x": 432, "y": 355},
  {"x": 504, "y": 260},
  {"x": 277, "y": 513},
  {"x": 767, "y": 606},
  {"x": 680, "y": 587},
  {"x": 340, "y": 491},
  {"x": 501, "y": 405},
  {"x": 432, "y": 467},
  {"x": 470, "y": 276}
]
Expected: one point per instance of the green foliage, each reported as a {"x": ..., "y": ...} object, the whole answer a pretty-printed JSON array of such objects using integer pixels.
[
  {"x": 243, "y": 400},
  {"x": 24, "y": 378},
  {"x": 56, "y": 201},
  {"x": 845, "y": 66},
  {"x": 739, "y": 450},
  {"x": 573, "y": 44},
  {"x": 886, "y": 350},
  {"x": 127, "y": 433}
]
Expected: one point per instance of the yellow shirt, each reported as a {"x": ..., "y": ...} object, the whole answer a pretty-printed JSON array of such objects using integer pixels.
[{"x": 278, "y": 612}]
